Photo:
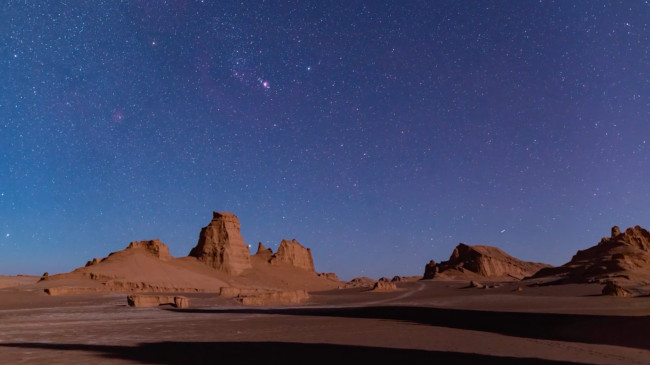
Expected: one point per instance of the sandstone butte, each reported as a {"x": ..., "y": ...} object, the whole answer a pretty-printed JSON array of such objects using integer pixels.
[
  {"x": 623, "y": 257},
  {"x": 481, "y": 262},
  {"x": 294, "y": 254},
  {"x": 222, "y": 246}
]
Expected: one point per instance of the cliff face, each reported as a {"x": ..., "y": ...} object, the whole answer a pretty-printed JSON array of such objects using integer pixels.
[
  {"x": 622, "y": 255},
  {"x": 294, "y": 254},
  {"x": 486, "y": 261},
  {"x": 221, "y": 245}
]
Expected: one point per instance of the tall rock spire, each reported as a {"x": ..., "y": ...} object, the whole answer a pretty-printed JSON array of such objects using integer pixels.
[{"x": 222, "y": 246}]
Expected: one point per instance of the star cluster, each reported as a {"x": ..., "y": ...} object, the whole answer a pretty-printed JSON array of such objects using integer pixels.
[{"x": 380, "y": 134}]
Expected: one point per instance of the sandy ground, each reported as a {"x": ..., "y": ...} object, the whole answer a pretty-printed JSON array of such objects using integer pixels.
[{"x": 433, "y": 321}]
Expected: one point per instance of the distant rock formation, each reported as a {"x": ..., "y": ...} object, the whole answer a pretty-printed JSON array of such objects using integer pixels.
[
  {"x": 221, "y": 245},
  {"x": 293, "y": 253},
  {"x": 485, "y": 261},
  {"x": 329, "y": 276},
  {"x": 257, "y": 297},
  {"x": 138, "y": 300},
  {"x": 154, "y": 247},
  {"x": 262, "y": 251},
  {"x": 430, "y": 270},
  {"x": 622, "y": 256},
  {"x": 384, "y": 286}
]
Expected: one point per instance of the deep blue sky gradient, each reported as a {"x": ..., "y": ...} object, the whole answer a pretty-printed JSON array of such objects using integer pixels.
[{"x": 379, "y": 134}]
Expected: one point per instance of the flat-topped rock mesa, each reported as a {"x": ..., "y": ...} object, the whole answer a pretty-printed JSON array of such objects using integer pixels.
[
  {"x": 622, "y": 256},
  {"x": 221, "y": 245},
  {"x": 294, "y": 254},
  {"x": 484, "y": 261}
]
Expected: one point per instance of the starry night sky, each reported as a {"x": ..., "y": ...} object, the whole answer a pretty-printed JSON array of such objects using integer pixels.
[{"x": 379, "y": 134}]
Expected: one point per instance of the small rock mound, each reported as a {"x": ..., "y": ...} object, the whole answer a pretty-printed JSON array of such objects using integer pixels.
[
  {"x": 384, "y": 286},
  {"x": 137, "y": 300},
  {"x": 272, "y": 297},
  {"x": 154, "y": 247},
  {"x": 94, "y": 261},
  {"x": 294, "y": 254},
  {"x": 476, "y": 284},
  {"x": 613, "y": 289},
  {"x": 329, "y": 276}
]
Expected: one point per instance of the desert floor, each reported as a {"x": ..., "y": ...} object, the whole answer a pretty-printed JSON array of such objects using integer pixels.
[{"x": 433, "y": 321}]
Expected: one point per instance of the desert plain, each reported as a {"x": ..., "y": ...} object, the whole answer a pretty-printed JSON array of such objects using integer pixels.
[{"x": 480, "y": 306}]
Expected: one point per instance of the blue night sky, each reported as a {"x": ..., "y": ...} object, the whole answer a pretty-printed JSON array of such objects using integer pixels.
[{"x": 379, "y": 134}]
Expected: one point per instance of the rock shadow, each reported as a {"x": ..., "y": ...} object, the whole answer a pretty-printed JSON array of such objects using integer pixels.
[
  {"x": 286, "y": 353},
  {"x": 627, "y": 331}
]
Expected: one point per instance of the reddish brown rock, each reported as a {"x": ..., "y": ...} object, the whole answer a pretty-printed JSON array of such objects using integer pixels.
[
  {"x": 262, "y": 251},
  {"x": 485, "y": 261},
  {"x": 612, "y": 288},
  {"x": 622, "y": 256},
  {"x": 294, "y": 254},
  {"x": 329, "y": 276},
  {"x": 274, "y": 297},
  {"x": 221, "y": 245},
  {"x": 154, "y": 247},
  {"x": 430, "y": 270},
  {"x": 94, "y": 261},
  {"x": 138, "y": 300},
  {"x": 384, "y": 286}
]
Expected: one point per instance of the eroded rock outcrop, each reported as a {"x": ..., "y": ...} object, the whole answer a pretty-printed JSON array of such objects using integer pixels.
[
  {"x": 138, "y": 300},
  {"x": 273, "y": 297},
  {"x": 263, "y": 252},
  {"x": 384, "y": 286},
  {"x": 294, "y": 254},
  {"x": 485, "y": 261},
  {"x": 329, "y": 276},
  {"x": 624, "y": 256},
  {"x": 612, "y": 288},
  {"x": 221, "y": 245},
  {"x": 154, "y": 247}
]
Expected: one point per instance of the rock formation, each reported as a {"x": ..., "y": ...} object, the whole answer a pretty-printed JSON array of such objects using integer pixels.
[
  {"x": 264, "y": 252},
  {"x": 622, "y": 256},
  {"x": 154, "y": 247},
  {"x": 294, "y": 254},
  {"x": 430, "y": 270},
  {"x": 137, "y": 300},
  {"x": 384, "y": 286},
  {"x": 329, "y": 276},
  {"x": 485, "y": 261},
  {"x": 257, "y": 297},
  {"x": 221, "y": 245},
  {"x": 614, "y": 289}
]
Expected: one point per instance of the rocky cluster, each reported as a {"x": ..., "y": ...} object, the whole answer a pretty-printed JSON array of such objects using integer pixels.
[{"x": 622, "y": 256}]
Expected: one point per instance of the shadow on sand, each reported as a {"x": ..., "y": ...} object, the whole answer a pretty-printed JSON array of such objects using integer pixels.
[
  {"x": 625, "y": 331},
  {"x": 285, "y": 353}
]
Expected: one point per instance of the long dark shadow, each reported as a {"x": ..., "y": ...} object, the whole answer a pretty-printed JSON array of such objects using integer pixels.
[
  {"x": 286, "y": 353},
  {"x": 625, "y": 331}
]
